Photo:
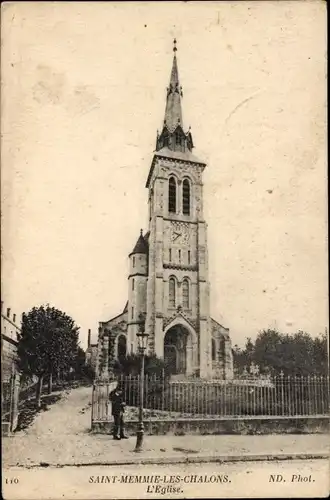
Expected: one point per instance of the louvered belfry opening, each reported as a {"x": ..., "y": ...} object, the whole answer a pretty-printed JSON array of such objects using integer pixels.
[
  {"x": 186, "y": 197},
  {"x": 172, "y": 195}
]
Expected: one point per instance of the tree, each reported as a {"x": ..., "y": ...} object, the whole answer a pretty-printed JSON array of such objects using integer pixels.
[
  {"x": 80, "y": 362},
  {"x": 298, "y": 354},
  {"x": 47, "y": 344},
  {"x": 239, "y": 359},
  {"x": 243, "y": 357},
  {"x": 320, "y": 354},
  {"x": 81, "y": 369}
]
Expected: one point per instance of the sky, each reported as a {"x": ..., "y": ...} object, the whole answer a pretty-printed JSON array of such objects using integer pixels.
[{"x": 83, "y": 94}]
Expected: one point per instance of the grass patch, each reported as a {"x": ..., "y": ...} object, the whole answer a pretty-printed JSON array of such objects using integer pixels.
[{"x": 28, "y": 410}]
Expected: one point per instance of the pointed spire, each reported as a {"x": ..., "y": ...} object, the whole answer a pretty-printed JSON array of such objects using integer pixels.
[
  {"x": 173, "y": 111},
  {"x": 172, "y": 135},
  {"x": 141, "y": 246}
]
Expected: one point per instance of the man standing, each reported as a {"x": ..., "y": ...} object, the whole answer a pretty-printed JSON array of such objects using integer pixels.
[{"x": 118, "y": 408}]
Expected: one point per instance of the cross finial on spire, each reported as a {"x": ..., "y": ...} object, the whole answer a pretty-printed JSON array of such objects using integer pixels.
[
  {"x": 174, "y": 45},
  {"x": 141, "y": 232}
]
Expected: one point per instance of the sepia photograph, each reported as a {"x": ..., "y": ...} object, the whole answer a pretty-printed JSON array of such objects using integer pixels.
[{"x": 164, "y": 256}]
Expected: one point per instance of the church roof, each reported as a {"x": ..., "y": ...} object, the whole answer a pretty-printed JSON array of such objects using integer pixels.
[
  {"x": 217, "y": 326},
  {"x": 141, "y": 246}
]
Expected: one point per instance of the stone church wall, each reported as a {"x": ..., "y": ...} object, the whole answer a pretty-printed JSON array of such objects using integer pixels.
[{"x": 222, "y": 366}]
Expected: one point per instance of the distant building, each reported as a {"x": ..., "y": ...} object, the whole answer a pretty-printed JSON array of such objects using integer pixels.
[
  {"x": 91, "y": 352},
  {"x": 10, "y": 377},
  {"x": 10, "y": 328}
]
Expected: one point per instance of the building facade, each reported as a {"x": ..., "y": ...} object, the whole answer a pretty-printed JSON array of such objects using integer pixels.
[
  {"x": 9, "y": 337},
  {"x": 168, "y": 281},
  {"x": 10, "y": 376}
]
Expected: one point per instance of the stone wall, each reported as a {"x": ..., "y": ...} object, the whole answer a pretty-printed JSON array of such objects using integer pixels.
[
  {"x": 107, "y": 342},
  {"x": 241, "y": 426}
]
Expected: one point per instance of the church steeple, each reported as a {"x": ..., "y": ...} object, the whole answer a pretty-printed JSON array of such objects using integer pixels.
[
  {"x": 173, "y": 136},
  {"x": 173, "y": 111}
]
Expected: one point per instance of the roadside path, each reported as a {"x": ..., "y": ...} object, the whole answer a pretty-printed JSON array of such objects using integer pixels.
[{"x": 61, "y": 436}]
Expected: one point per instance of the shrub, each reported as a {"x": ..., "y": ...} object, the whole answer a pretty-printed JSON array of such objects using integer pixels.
[
  {"x": 127, "y": 370},
  {"x": 131, "y": 365}
]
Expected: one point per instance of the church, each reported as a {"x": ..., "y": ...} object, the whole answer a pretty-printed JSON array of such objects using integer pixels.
[{"x": 168, "y": 281}]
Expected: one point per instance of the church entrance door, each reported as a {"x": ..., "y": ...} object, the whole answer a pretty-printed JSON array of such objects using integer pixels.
[
  {"x": 175, "y": 350},
  {"x": 170, "y": 358}
]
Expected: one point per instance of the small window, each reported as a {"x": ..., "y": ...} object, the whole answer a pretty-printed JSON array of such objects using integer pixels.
[
  {"x": 133, "y": 261},
  {"x": 172, "y": 195},
  {"x": 185, "y": 294},
  {"x": 133, "y": 284},
  {"x": 151, "y": 202},
  {"x": 170, "y": 255},
  {"x": 188, "y": 256},
  {"x": 132, "y": 312},
  {"x": 177, "y": 138},
  {"x": 179, "y": 255},
  {"x": 214, "y": 351}
]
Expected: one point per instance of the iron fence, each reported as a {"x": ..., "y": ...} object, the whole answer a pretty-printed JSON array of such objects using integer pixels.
[{"x": 277, "y": 397}]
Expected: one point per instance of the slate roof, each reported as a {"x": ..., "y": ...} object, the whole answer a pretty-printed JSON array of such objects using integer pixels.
[
  {"x": 141, "y": 246},
  {"x": 173, "y": 111}
]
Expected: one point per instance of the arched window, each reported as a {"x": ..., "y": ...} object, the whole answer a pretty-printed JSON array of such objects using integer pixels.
[
  {"x": 185, "y": 294},
  {"x": 121, "y": 346},
  {"x": 178, "y": 138},
  {"x": 186, "y": 197},
  {"x": 172, "y": 195},
  {"x": 214, "y": 350},
  {"x": 171, "y": 292}
]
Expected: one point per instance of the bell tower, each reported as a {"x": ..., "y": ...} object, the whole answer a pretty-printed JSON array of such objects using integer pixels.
[{"x": 178, "y": 313}]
